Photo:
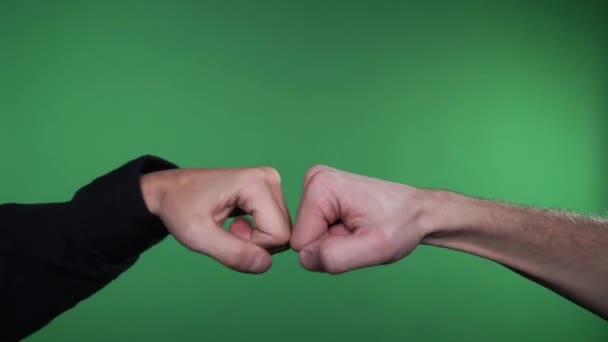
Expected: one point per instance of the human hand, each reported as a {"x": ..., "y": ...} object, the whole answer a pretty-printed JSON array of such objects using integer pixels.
[
  {"x": 347, "y": 221},
  {"x": 194, "y": 203}
]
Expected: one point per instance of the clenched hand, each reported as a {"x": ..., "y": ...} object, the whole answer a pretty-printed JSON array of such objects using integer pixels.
[
  {"x": 194, "y": 203},
  {"x": 347, "y": 221}
]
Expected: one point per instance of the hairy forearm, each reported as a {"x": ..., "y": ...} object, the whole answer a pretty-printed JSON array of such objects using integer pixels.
[{"x": 565, "y": 252}]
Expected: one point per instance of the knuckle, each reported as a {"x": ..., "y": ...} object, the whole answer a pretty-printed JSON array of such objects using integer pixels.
[
  {"x": 263, "y": 174},
  {"x": 315, "y": 169},
  {"x": 322, "y": 179},
  {"x": 316, "y": 172},
  {"x": 270, "y": 174},
  {"x": 255, "y": 174}
]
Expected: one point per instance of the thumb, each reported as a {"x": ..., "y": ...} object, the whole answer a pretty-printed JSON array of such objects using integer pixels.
[
  {"x": 235, "y": 253},
  {"x": 339, "y": 254}
]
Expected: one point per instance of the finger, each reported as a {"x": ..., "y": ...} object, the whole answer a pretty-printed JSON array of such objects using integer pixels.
[
  {"x": 234, "y": 252},
  {"x": 317, "y": 211},
  {"x": 243, "y": 229},
  {"x": 339, "y": 254},
  {"x": 339, "y": 230},
  {"x": 277, "y": 191},
  {"x": 272, "y": 225}
]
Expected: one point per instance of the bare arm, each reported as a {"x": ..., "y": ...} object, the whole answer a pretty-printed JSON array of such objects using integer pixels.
[
  {"x": 348, "y": 221},
  {"x": 565, "y": 252}
]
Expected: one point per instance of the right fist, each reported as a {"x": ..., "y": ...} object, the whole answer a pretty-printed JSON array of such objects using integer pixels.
[
  {"x": 347, "y": 221},
  {"x": 194, "y": 203}
]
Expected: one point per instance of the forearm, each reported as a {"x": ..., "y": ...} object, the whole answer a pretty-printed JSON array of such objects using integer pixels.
[
  {"x": 54, "y": 255},
  {"x": 565, "y": 252}
]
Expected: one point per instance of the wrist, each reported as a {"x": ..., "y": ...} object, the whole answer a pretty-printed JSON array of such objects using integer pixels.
[
  {"x": 444, "y": 213},
  {"x": 153, "y": 188}
]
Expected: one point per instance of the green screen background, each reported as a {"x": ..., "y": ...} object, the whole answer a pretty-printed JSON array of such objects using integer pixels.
[{"x": 501, "y": 100}]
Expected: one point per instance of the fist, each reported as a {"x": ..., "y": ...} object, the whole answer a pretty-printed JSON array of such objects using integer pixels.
[
  {"x": 194, "y": 203},
  {"x": 347, "y": 221}
]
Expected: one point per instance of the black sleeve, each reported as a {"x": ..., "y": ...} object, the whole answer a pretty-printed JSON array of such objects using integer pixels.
[{"x": 54, "y": 255}]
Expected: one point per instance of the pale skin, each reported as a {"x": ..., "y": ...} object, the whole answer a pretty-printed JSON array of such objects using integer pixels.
[
  {"x": 347, "y": 221},
  {"x": 194, "y": 203}
]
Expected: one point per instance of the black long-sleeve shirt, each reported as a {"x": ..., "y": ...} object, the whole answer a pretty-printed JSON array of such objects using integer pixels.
[{"x": 54, "y": 255}]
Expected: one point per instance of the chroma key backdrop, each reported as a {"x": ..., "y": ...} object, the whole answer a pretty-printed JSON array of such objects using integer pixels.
[{"x": 496, "y": 99}]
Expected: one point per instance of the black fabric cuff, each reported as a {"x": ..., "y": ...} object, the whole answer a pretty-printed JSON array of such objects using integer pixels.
[{"x": 117, "y": 225}]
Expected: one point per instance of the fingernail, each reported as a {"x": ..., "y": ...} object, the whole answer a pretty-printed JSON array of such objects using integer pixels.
[{"x": 259, "y": 264}]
